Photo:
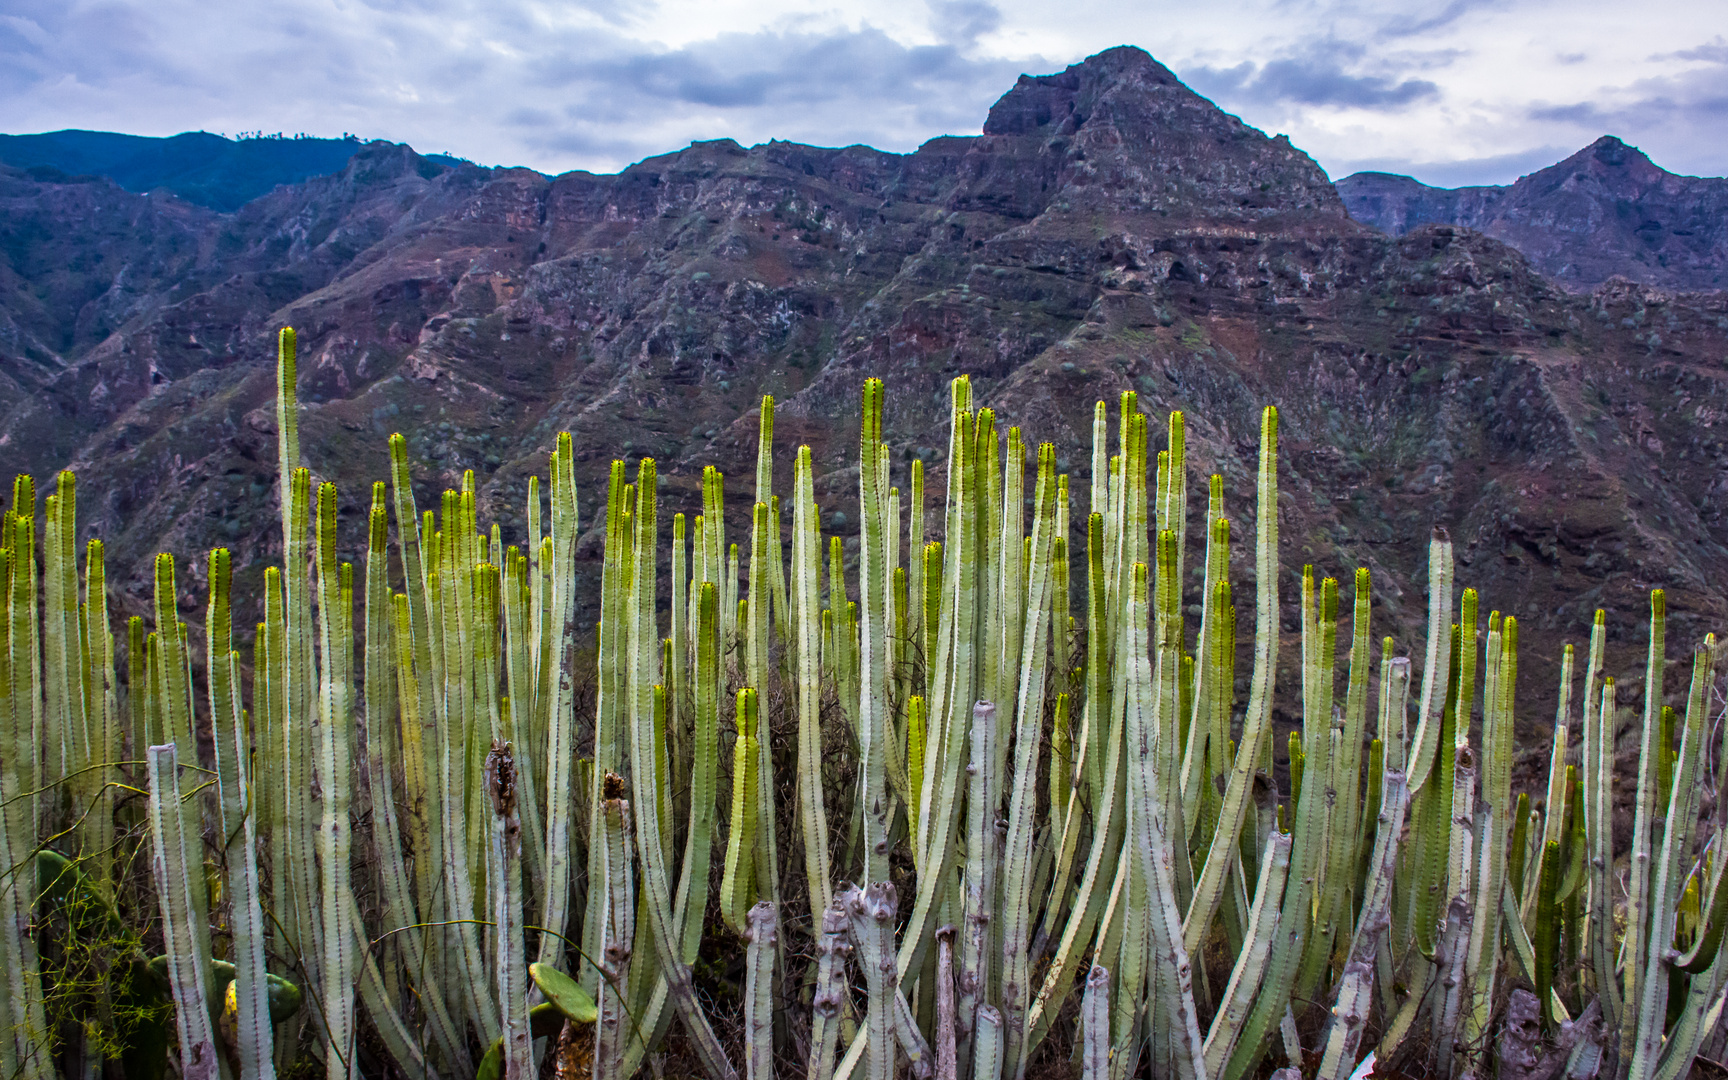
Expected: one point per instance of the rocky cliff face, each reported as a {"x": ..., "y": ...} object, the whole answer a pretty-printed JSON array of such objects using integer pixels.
[
  {"x": 1108, "y": 231},
  {"x": 1606, "y": 211}
]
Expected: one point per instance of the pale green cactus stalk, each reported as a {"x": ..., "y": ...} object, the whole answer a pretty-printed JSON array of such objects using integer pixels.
[
  {"x": 764, "y": 931},
  {"x": 874, "y": 660},
  {"x": 872, "y": 913},
  {"x": 176, "y": 705},
  {"x": 735, "y": 884},
  {"x": 607, "y": 706},
  {"x": 980, "y": 875},
  {"x": 1017, "y": 913},
  {"x": 185, "y": 932},
  {"x": 1095, "y": 1025},
  {"x": 987, "y": 1065},
  {"x": 558, "y": 666},
  {"x": 1155, "y": 841},
  {"x": 104, "y": 707},
  {"x": 806, "y": 622},
  {"x": 618, "y": 912},
  {"x": 833, "y": 949},
  {"x": 70, "y": 746},
  {"x": 648, "y": 792},
  {"x": 1257, "y": 722},
  {"x": 1355, "y": 990},
  {"x": 254, "y": 1034},
  {"x": 1497, "y": 753},
  {"x": 940, "y": 799},
  {"x": 297, "y": 895},
  {"x": 335, "y": 841},
  {"x": 25, "y": 1047},
  {"x": 521, "y": 727},
  {"x": 1598, "y": 780},
  {"x": 1250, "y": 968},
  {"x": 1651, "y": 749},
  {"x": 766, "y": 858},
  {"x": 691, "y": 903},
  {"x": 417, "y": 676},
  {"x": 1453, "y": 952},
  {"x": 1672, "y": 863},
  {"x": 504, "y": 869}
]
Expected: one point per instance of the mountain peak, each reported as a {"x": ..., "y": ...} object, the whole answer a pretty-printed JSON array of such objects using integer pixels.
[
  {"x": 1119, "y": 133},
  {"x": 1606, "y": 210}
]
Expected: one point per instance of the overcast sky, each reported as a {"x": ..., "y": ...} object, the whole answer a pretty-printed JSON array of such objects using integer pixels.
[{"x": 1451, "y": 91}]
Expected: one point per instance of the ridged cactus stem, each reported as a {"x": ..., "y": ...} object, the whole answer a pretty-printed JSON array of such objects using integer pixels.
[
  {"x": 608, "y": 713},
  {"x": 987, "y": 1060},
  {"x": 253, "y": 1030},
  {"x": 1257, "y": 722},
  {"x": 941, "y": 797},
  {"x": 763, "y": 941},
  {"x": 298, "y": 879},
  {"x": 1436, "y": 664},
  {"x": 806, "y": 623},
  {"x": 176, "y": 700},
  {"x": 504, "y": 869},
  {"x": 1497, "y": 753},
  {"x": 104, "y": 706},
  {"x": 65, "y": 715},
  {"x": 1157, "y": 842},
  {"x": 618, "y": 914},
  {"x": 874, "y": 659},
  {"x": 558, "y": 652},
  {"x": 25, "y": 1047},
  {"x": 1017, "y": 901},
  {"x": 1554, "y": 822},
  {"x": 1355, "y": 991},
  {"x": 1095, "y": 1025},
  {"x": 981, "y": 862},
  {"x": 177, "y": 884},
  {"x": 691, "y": 903},
  {"x": 647, "y": 791},
  {"x": 872, "y": 912},
  {"x": 833, "y": 949},
  {"x": 335, "y": 842},
  {"x": 1673, "y": 862},
  {"x": 1250, "y": 966},
  {"x": 1645, "y": 828},
  {"x": 1598, "y": 779},
  {"x": 735, "y": 883}
]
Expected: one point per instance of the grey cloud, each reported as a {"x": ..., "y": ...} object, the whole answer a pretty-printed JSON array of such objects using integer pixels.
[
  {"x": 964, "y": 20},
  {"x": 1404, "y": 26},
  {"x": 1676, "y": 119},
  {"x": 1715, "y": 52},
  {"x": 1319, "y": 74}
]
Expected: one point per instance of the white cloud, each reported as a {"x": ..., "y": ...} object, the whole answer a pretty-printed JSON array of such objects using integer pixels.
[{"x": 1466, "y": 91}]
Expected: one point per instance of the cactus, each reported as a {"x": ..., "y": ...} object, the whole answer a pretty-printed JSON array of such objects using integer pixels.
[
  {"x": 188, "y": 951},
  {"x": 1073, "y": 812},
  {"x": 758, "y": 991}
]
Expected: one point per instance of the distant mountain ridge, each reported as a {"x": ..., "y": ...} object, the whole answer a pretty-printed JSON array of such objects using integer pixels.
[
  {"x": 1107, "y": 230},
  {"x": 1606, "y": 211},
  {"x": 204, "y": 169}
]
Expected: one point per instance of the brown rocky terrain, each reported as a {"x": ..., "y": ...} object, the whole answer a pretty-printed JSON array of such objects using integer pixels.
[
  {"x": 1606, "y": 211},
  {"x": 1109, "y": 230}
]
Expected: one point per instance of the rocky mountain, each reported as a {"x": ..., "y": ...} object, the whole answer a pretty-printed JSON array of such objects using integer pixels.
[
  {"x": 1606, "y": 211},
  {"x": 1108, "y": 230},
  {"x": 201, "y": 168}
]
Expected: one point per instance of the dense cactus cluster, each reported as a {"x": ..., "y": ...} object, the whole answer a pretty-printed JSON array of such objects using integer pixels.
[{"x": 1052, "y": 835}]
